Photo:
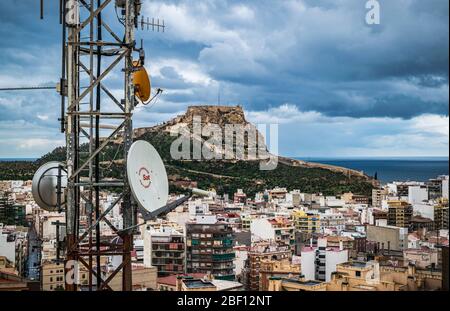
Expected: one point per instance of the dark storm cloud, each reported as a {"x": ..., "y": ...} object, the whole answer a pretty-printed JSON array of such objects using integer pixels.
[{"x": 316, "y": 55}]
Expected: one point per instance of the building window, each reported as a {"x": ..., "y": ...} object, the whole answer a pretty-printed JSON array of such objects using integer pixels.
[{"x": 358, "y": 273}]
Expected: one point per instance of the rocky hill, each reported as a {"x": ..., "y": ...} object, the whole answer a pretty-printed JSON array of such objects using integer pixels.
[
  {"x": 225, "y": 176},
  {"x": 223, "y": 115}
]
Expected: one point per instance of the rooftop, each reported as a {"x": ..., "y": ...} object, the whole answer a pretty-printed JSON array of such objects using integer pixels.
[
  {"x": 355, "y": 264},
  {"x": 226, "y": 285},
  {"x": 421, "y": 219},
  {"x": 197, "y": 283},
  {"x": 172, "y": 279},
  {"x": 305, "y": 283},
  {"x": 339, "y": 238}
]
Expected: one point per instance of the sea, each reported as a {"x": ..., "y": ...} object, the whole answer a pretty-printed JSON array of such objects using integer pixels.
[
  {"x": 393, "y": 169},
  {"x": 387, "y": 169}
]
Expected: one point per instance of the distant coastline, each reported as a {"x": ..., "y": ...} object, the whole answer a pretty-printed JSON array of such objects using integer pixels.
[
  {"x": 388, "y": 169},
  {"x": 391, "y": 169},
  {"x": 18, "y": 159},
  {"x": 351, "y": 158}
]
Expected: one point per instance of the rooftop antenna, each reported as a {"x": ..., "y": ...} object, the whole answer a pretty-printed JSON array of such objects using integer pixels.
[{"x": 218, "y": 96}]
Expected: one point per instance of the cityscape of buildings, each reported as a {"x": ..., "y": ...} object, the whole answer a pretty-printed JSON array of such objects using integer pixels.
[
  {"x": 221, "y": 146},
  {"x": 279, "y": 240}
]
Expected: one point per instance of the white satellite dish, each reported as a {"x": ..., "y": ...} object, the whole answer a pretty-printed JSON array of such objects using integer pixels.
[
  {"x": 147, "y": 176},
  {"x": 45, "y": 184}
]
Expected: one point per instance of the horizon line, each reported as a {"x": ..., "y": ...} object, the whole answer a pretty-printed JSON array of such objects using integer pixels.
[{"x": 301, "y": 157}]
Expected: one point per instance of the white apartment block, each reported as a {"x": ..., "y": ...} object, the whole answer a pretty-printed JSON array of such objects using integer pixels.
[{"x": 318, "y": 263}]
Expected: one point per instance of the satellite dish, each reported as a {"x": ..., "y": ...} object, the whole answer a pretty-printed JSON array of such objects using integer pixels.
[
  {"x": 147, "y": 176},
  {"x": 141, "y": 81},
  {"x": 45, "y": 184}
]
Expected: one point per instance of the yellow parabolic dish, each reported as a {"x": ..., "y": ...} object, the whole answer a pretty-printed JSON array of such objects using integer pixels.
[{"x": 141, "y": 81}]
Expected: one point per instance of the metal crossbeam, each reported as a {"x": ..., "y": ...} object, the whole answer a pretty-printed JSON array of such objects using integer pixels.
[
  {"x": 110, "y": 95},
  {"x": 87, "y": 6},
  {"x": 105, "y": 283},
  {"x": 97, "y": 81},
  {"x": 93, "y": 272},
  {"x": 97, "y": 151},
  {"x": 85, "y": 234},
  {"x": 89, "y": 19}
]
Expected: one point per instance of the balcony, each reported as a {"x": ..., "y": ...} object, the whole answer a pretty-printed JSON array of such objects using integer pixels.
[
  {"x": 224, "y": 257},
  {"x": 166, "y": 255},
  {"x": 229, "y": 268},
  {"x": 227, "y": 277},
  {"x": 168, "y": 247}
]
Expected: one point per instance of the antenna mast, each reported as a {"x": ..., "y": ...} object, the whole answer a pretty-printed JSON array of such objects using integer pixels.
[
  {"x": 84, "y": 173},
  {"x": 85, "y": 50}
]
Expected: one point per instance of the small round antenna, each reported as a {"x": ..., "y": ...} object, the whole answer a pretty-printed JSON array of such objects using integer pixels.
[
  {"x": 147, "y": 176},
  {"x": 141, "y": 82},
  {"x": 48, "y": 183}
]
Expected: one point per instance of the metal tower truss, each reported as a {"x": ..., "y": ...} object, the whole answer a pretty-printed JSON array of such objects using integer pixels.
[{"x": 95, "y": 121}]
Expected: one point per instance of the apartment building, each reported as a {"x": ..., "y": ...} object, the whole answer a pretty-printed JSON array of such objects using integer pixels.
[
  {"x": 371, "y": 276},
  {"x": 209, "y": 247},
  {"x": 438, "y": 187},
  {"x": 10, "y": 212},
  {"x": 351, "y": 198},
  {"x": 240, "y": 197},
  {"x": 52, "y": 276},
  {"x": 332, "y": 222},
  {"x": 164, "y": 248},
  {"x": 280, "y": 230},
  {"x": 246, "y": 220},
  {"x": 378, "y": 195},
  {"x": 278, "y": 193},
  {"x": 307, "y": 222},
  {"x": 441, "y": 215},
  {"x": 258, "y": 253},
  {"x": 364, "y": 276},
  {"x": 345, "y": 242},
  {"x": 144, "y": 278},
  {"x": 318, "y": 263},
  {"x": 399, "y": 214},
  {"x": 423, "y": 258},
  {"x": 418, "y": 194},
  {"x": 270, "y": 268},
  {"x": 388, "y": 237}
]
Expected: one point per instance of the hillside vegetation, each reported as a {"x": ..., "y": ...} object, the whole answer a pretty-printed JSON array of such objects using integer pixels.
[{"x": 224, "y": 176}]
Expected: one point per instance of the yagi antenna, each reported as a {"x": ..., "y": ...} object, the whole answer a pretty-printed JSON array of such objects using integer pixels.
[{"x": 158, "y": 25}]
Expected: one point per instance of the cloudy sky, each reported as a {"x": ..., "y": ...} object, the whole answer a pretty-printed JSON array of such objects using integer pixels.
[{"x": 335, "y": 85}]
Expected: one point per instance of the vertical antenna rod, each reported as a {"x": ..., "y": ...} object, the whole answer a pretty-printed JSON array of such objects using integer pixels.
[
  {"x": 62, "y": 81},
  {"x": 128, "y": 207},
  {"x": 42, "y": 9}
]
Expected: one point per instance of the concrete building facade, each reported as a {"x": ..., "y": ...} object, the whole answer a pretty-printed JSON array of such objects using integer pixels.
[{"x": 209, "y": 248}]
